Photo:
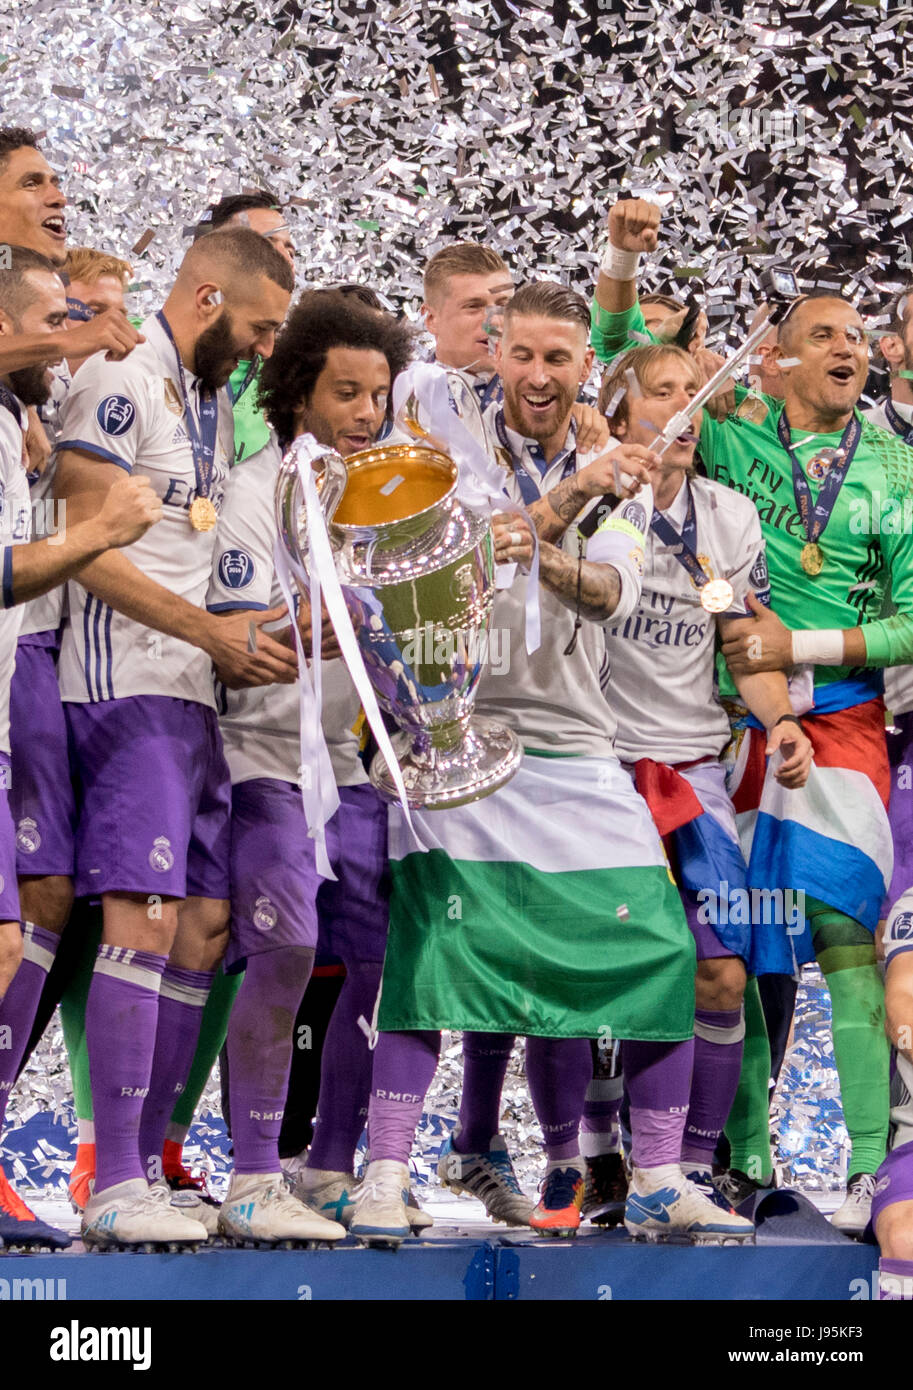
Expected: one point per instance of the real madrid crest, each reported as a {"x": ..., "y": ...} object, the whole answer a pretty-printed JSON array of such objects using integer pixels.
[{"x": 172, "y": 397}]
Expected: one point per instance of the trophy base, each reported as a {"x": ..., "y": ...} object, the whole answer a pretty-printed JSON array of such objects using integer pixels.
[{"x": 486, "y": 758}]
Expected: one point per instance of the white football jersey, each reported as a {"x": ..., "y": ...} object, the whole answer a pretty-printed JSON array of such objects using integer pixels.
[
  {"x": 131, "y": 413},
  {"x": 15, "y": 528},
  {"x": 260, "y": 725},
  {"x": 662, "y": 671},
  {"x": 898, "y": 939},
  {"x": 552, "y": 701}
]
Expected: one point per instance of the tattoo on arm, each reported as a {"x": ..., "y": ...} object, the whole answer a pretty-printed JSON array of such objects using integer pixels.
[
  {"x": 554, "y": 512},
  {"x": 600, "y": 585}
]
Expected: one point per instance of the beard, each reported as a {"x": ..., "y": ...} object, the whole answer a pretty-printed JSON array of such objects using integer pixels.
[
  {"x": 31, "y": 384},
  {"x": 215, "y": 352}
]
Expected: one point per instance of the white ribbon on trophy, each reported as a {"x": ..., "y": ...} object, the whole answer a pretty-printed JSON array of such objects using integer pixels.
[{"x": 319, "y": 792}]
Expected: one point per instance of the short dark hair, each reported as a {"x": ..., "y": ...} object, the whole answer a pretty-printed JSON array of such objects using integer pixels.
[
  {"x": 321, "y": 320},
  {"x": 786, "y": 330},
  {"x": 15, "y": 137},
  {"x": 15, "y": 293},
  {"x": 221, "y": 213},
  {"x": 242, "y": 252},
  {"x": 899, "y": 311},
  {"x": 547, "y": 299}
]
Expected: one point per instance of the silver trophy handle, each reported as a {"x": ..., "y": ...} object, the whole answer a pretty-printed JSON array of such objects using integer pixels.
[
  {"x": 291, "y": 515},
  {"x": 466, "y": 406}
]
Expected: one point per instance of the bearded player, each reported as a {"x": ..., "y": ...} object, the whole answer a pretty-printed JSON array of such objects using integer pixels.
[
  {"x": 536, "y": 876},
  {"x": 136, "y": 671},
  {"x": 817, "y": 472}
]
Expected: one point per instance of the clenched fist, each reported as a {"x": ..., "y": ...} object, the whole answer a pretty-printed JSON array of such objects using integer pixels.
[
  {"x": 129, "y": 509},
  {"x": 634, "y": 225}
]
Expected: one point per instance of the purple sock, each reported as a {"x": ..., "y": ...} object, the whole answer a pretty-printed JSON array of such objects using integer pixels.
[
  {"x": 485, "y": 1059},
  {"x": 260, "y": 1040},
  {"x": 719, "y": 1037},
  {"x": 17, "y": 1011},
  {"x": 404, "y": 1067},
  {"x": 658, "y": 1078},
  {"x": 895, "y": 1280},
  {"x": 558, "y": 1071},
  {"x": 182, "y": 998},
  {"x": 121, "y": 1017},
  {"x": 345, "y": 1072}
]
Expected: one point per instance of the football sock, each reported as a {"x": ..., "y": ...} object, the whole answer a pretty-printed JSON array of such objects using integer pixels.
[
  {"x": 73, "y": 1018},
  {"x": 658, "y": 1080},
  {"x": 345, "y": 1071},
  {"x": 599, "y": 1132},
  {"x": 213, "y": 1029},
  {"x": 260, "y": 1041},
  {"x": 558, "y": 1071},
  {"x": 748, "y": 1125},
  {"x": 485, "y": 1059},
  {"x": 846, "y": 955},
  {"x": 182, "y": 999},
  {"x": 121, "y": 1016},
  {"x": 17, "y": 1011},
  {"x": 718, "y": 1039},
  {"x": 404, "y": 1067}
]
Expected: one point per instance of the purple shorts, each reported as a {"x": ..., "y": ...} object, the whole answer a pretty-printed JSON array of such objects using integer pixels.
[
  {"x": 894, "y": 1180},
  {"x": 900, "y": 808},
  {"x": 277, "y": 896},
  {"x": 9, "y": 888},
  {"x": 709, "y": 946},
  {"x": 41, "y": 797},
  {"x": 154, "y": 798}
]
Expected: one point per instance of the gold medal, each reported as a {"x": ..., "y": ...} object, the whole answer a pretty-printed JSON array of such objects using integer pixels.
[
  {"x": 203, "y": 516},
  {"x": 812, "y": 558},
  {"x": 717, "y": 596}
]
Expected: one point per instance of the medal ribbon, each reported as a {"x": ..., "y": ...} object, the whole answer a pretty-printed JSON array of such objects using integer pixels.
[
  {"x": 897, "y": 422},
  {"x": 815, "y": 516},
  {"x": 529, "y": 489},
  {"x": 202, "y": 439},
  {"x": 684, "y": 545},
  {"x": 253, "y": 364}
]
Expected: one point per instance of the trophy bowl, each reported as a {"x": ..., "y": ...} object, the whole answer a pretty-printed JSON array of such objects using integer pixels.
[{"x": 417, "y": 573}]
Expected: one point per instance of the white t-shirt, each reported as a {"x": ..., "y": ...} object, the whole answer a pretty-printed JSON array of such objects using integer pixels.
[
  {"x": 260, "y": 725},
  {"x": 552, "y": 701},
  {"x": 661, "y": 682},
  {"x": 15, "y": 529},
  {"x": 131, "y": 413}
]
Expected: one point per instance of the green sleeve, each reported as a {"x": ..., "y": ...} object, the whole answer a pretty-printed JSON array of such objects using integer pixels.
[
  {"x": 889, "y": 641},
  {"x": 612, "y": 333}
]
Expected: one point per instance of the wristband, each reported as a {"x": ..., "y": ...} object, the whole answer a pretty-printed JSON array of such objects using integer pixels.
[
  {"x": 793, "y": 719},
  {"x": 619, "y": 265},
  {"x": 819, "y": 648}
]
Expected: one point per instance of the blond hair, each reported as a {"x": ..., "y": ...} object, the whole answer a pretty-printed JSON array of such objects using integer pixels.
[
  {"x": 85, "y": 264},
  {"x": 641, "y": 361}
]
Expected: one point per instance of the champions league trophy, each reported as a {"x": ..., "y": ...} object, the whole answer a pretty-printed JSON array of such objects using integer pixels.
[{"x": 417, "y": 573}]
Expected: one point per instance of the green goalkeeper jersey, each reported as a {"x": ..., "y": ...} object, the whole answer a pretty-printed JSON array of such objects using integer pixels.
[{"x": 867, "y": 543}]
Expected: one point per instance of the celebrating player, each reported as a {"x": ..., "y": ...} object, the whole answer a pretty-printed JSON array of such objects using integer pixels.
[
  {"x": 330, "y": 377},
  {"x": 33, "y": 303},
  {"x": 526, "y": 945},
  {"x": 818, "y": 472},
  {"x": 704, "y": 557},
  {"x": 892, "y": 1206},
  {"x": 136, "y": 678}
]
